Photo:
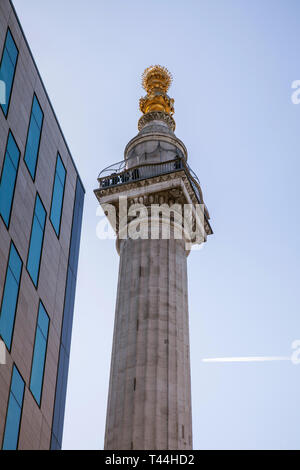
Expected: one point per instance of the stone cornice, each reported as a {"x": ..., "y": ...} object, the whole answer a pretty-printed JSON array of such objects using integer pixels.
[{"x": 176, "y": 184}]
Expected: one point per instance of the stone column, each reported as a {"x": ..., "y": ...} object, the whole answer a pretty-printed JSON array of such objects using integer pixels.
[
  {"x": 149, "y": 404},
  {"x": 149, "y": 399}
]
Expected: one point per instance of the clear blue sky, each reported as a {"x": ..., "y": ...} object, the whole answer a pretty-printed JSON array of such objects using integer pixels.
[{"x": 233, "y": 63}]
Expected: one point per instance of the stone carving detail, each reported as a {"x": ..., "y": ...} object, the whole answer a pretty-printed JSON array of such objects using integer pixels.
[
  {"x": 156, "y": 116},
  {"x": 169, "y": 197}
]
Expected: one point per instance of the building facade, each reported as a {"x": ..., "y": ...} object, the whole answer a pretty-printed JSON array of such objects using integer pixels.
[
  {"x": 41, "y": 204},
  {"x": 154, "y": 202}
]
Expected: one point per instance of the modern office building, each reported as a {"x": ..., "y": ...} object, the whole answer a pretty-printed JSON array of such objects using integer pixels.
[
  {"x": 155, "y": 204},
  {"x": 41, "y": 203}
]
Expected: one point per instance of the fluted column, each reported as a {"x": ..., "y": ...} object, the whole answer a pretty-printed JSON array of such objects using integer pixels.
[{"x": 149, "y": 402}]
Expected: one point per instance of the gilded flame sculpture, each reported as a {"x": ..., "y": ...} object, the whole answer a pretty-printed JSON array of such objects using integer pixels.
[{"x": 156, "y": 80}]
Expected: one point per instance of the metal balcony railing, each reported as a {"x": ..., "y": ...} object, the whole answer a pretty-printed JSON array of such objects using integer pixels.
[{"x": 117, "y": 174}]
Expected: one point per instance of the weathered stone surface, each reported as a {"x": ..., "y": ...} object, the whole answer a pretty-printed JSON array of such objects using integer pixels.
[{"x": 149, "y": 405}]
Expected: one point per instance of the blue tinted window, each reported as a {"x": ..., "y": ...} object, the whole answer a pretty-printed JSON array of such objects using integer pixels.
[
  {"x": 7, "y": 68},
  {"x": 64, "y": 350},
  {"x": 37, "y": 113},
  {"x": 11, "y": 47},
  {"x": 33, "y": 137},
  {"x": 10, "y": 296},
  {"x": 36, "y": 240},
  {"x": 14, "y": 411},
  {"x": 39, "y": 354},
  {"x": 58, "y": 194},
  {"x": 8, "y": 178},
  {"x": 40, "y": 211}
]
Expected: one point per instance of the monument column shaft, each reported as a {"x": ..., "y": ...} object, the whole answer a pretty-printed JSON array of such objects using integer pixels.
[{"x": 149, "y": 401}]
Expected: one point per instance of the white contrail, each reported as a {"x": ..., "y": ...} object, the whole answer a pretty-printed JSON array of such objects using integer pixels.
[{"x": 247, "y": 359}]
